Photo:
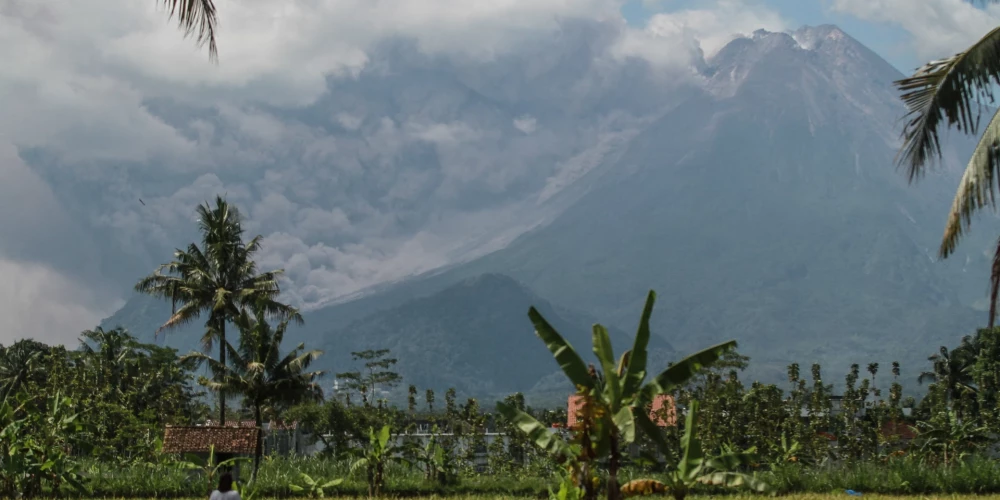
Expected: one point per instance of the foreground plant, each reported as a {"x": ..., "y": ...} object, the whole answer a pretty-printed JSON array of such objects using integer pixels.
[
  {"x": 313, "y": 488},
  {"x": 209, "y": 468},
  {"x": 615, "y": 400},
  {"x": 34, "y": 447},
  {"x": 375, "y": 457},
  {"x": 950, "y": 439},
  {"x": 695, "y": 468}
]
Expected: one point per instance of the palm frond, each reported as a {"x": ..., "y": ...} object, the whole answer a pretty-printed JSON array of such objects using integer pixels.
[
  {"x": 950, "y": 92},
  {"x": 976, "y": 189},
  {"x": 196, "y": 17},
  {"x": 187, "y": 312},
  {"x": 946, "y": 89}
]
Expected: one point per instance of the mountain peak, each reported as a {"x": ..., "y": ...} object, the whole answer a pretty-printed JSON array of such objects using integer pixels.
[
  {"x": 810, "y": 37},
  {"x": 825, "y": 51}
]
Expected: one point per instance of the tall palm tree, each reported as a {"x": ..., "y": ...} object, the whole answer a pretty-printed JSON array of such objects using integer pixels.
[
  {"x": 198, "y": 18},
  {"x": 260, "y": 373},
  {"x": 950, "y": 93},
  {"x": 219, "y": 278}
]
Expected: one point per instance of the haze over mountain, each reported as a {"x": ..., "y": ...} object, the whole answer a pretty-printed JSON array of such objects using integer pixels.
[{"x": 757, "y": 196}]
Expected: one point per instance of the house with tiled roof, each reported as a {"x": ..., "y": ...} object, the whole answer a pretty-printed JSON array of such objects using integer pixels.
[
  {"x": 226, "y": 442},
  {"x": 279, "y": 437}
]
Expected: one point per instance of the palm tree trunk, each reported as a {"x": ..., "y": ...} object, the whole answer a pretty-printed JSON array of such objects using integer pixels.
[
  {"x": 259, "y": 447},
  {"x": 614, "y": 463},
  {"x": 221, "y": 327},
  {"x": 994, "y": 285}
]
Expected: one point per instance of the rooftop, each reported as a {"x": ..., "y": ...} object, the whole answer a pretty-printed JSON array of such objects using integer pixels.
[{"x": 199, "y": 439}]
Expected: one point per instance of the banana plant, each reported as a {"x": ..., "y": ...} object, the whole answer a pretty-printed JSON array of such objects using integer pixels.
[
  {"x": 374, "y": 458},
  {"x": 313, "y": 488},
  {"x": 789, "y": 452},
  {"x": 208, "y": 466},
  {"x": 618, "y": 396},
  {"x": 695, "y": 468},
  {"x": 34, "y": 446}
]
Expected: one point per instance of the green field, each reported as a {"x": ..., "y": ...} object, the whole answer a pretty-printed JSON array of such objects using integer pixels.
[{"x": 809, "y": 496}]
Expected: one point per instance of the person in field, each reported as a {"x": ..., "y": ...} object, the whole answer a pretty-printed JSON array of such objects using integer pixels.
[{"x": 225, "y": 491}]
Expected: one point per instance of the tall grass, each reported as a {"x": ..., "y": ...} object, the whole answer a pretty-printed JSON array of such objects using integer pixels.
[
  {"x": 977, "y": 475},
  {"x": 276, "y": 476},
  {"x": 900, "y": 477}
]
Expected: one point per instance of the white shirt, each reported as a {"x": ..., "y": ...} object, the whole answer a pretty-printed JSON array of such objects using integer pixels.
[{"x": 229, "y": 495}]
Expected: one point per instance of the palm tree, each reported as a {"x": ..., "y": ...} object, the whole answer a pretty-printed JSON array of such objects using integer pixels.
[
  {"x": 115, "y": 349},
  {"x": 260, "y": 373},
  {"x": 196, "y": 17},
  {"x": 950, "y": 91},
  {"x": 953, "y": 369},
  {"x": 220, "y": 278},
  {"x": 19, "y": 364}
]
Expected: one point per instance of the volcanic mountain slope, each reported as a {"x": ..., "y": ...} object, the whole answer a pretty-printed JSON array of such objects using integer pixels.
[
  {"x": 766, "y": 210},
  {"x": 765, "y": 207},
  {"x": 476, "y": 336}
]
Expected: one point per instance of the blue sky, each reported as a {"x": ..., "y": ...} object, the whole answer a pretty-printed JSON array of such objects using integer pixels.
[{"x": 888, "y": 40}]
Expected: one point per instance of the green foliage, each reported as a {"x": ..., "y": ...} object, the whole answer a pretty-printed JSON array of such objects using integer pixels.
[
  {"x": 314, "y": 488},
  {"x": 614, "y": 399},
  {"x": 219, "y": 278},
  {"x": 34, "y": 446},
  {"x": 208, "y": 468},
  {"x": 376, "y": 374},
  {"x": 374, "y": 457},
  {"x": 949, "y": 439},
  {"x": 695, "y": 467},
  {"x": 260, "y": 373}
]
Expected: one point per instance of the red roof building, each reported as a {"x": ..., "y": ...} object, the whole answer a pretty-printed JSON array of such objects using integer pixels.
[{"x": 225, "y": 440}]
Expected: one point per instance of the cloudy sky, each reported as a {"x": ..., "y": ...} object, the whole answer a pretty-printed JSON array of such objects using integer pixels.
[{"x": 344, "y": 129}]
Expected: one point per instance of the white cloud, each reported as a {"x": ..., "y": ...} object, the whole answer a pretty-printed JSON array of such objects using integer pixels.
[
  {"x": 672, "y": 39},
  {"x": 939, "y": 28},
  {"x": 297, "y": 43},
  {"x": 442, "y": 133},
  {"x": 41, "y": 303},
  {"x": 526, "y": 124}
]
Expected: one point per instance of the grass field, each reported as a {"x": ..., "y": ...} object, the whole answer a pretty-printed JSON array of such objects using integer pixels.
[
  {"x": 808, "y": 496},
  {"x": 896, "y": 479}
]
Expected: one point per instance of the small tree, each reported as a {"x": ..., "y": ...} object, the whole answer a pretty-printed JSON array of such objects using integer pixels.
[
  {"x": 429, "y": 396},
  {"x": 411, "y": 400},
  {"x": 376, "y": 373},
  {"x": 374, "y": 457}
]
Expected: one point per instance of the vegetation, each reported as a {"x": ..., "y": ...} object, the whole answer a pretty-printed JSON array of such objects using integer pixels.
[
  {"x": 90, "y": 421},
  {"x": 265, "y": 378},
  {"x": 219, "y": 278}
]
